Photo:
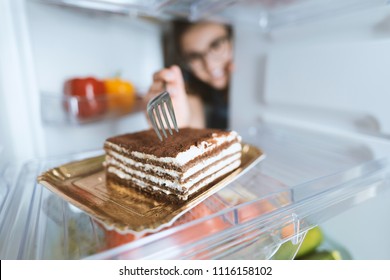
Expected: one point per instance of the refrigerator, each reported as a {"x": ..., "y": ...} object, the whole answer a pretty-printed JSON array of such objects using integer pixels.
[{"x": 310, "y": 89}]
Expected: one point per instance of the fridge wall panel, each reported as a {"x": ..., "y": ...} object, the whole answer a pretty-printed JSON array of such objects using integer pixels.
[
  {"x": 23, "y": 133},
  {"x": 346, "y": 78},
  {"x": 330, "y": 71},
  {"x": 68, "y": 43},
  {"x": 247, "y": 84}
]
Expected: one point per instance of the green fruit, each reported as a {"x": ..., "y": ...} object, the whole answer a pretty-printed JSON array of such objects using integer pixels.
[
  {"x": 285, "y": 252},
  {"x": 323, "y": 255},
  {"x": 313, "y": 239}
]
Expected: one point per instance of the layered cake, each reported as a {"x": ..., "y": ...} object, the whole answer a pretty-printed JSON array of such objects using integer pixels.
[{"x": 176, "y": 168}]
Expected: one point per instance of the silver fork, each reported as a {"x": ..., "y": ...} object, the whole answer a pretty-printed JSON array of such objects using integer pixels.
[{"x": 155, "y": 107}]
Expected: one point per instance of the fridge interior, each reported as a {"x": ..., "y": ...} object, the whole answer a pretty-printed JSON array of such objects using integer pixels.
[{"x": 319, "y": 116}]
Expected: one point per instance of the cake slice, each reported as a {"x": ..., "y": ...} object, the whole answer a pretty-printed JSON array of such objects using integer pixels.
[{"x": 176, "y": 168}]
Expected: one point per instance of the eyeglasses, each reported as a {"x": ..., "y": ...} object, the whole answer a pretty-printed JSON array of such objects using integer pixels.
[{"x": 218, "y": 49}]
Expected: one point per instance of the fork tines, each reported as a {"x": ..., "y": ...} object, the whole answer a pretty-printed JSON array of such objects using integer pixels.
[{"x": 155, "y": 107}]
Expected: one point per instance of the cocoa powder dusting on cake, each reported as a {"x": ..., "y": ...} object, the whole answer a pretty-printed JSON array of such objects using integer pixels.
[{"x": 148, "y": 142}]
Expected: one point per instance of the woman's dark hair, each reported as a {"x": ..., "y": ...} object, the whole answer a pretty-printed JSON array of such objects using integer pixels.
[{"x": 173, "y": 44}]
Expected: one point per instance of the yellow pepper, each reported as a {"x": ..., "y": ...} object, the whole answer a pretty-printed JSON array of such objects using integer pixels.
[{"x": 121, "y": 94}]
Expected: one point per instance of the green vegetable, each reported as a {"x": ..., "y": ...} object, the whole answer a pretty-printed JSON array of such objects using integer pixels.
[
  {"x": 313, "y": 239},
  {"x": 323, "y": 255}
]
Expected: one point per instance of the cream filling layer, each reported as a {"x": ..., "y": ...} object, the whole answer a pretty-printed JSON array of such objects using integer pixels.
[
  {"x": 176, "y": 185},
  {"x": 113, "y": 158},
  {"x": 183, "y": 157},
  {"x": 204, "y": 183}
]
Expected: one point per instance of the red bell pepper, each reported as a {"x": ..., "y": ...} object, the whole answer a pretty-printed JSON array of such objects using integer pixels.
[{"x": 85, "y": 97}]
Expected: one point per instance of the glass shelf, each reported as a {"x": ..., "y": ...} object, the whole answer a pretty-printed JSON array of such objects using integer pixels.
[
  {"x": 306, "y": 179},
  {"x": 4, "y": 189},
  {"x": 59, "y": 109},
  {"x": 268, "y": 14}
]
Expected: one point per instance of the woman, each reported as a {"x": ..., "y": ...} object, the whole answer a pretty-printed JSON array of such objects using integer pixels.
[{"x": 199, "y": 88}]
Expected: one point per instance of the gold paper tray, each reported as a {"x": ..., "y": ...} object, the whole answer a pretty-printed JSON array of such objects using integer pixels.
[{"x": 83, "y": 184}]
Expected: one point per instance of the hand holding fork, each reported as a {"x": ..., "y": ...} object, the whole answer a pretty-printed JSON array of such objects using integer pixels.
[{"x": 160, "y": 105}]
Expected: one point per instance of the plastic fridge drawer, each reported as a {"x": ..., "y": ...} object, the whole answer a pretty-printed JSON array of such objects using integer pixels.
[{"x": 306, "y": 179}]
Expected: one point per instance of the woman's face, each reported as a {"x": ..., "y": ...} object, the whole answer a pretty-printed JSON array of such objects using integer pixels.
[{"x": 208, "y": 52}]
